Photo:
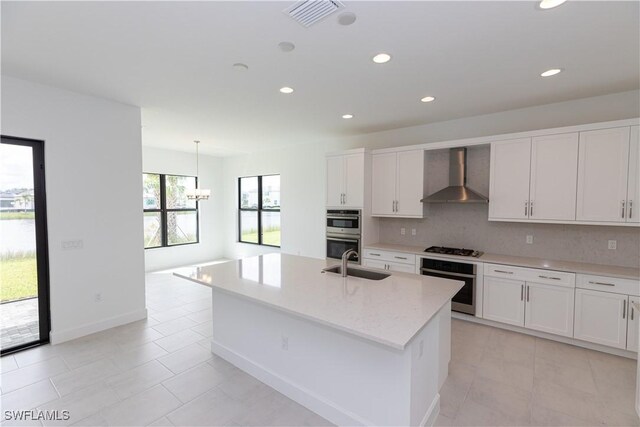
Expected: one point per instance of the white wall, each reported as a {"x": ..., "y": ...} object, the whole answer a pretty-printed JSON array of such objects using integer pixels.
[
  {"x": 303, "y": 167},
  {"x": 93, "y": 161},
  {"x": 211, "y": 245}
]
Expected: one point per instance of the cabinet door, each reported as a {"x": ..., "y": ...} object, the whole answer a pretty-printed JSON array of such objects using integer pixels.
[
  {"x": 599, "y": 318},
  {"x": 633, "y": 185},
  {"x": 509, "y": 180},
  {"x": 403, "y": 268},
  {"x": 503, "y": 300},
  {"x": 410, "y": 183},
  {"x": 335, "y": 180},
  {"x": 554, "y": 168},
  {"x": 549, "y": 308},
  {"x": 354, "y": 180},
  {"x": 603, "y": 162},
  {"x": 633, "y": 325},
  {"x": 374, "y": 263},
  {"x": 383, "y": 184}
]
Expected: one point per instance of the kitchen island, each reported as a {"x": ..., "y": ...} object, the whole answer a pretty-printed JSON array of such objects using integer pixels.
[{"x": 356, "y": 351}]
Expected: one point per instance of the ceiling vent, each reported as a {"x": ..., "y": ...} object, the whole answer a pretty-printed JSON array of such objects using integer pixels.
[{"x": 308, "y": 12}]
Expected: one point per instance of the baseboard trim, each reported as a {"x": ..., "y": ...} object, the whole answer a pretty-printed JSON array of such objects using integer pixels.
[
  {"x": 566, "y": 340},
  {"x": 301, "y": 395},
  {"x": 432, "y": 413},
  {"x": 57, "y": 337}
]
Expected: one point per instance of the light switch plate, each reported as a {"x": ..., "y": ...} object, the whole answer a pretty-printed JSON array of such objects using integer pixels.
[
  {"x": 613, "y": 244},
  {"x": 68, "y": 245},
  {"x": 403, "y": 231},
  {"x": 413, "y": 232},
  {"x": 529, "y": 239}
]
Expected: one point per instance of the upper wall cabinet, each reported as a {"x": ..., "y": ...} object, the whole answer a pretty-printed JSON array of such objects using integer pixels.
[
  {"x": 345, "y": 180},
  {"x": 398, "y": 184},
  {"x": 633, "y": 186},
  {"x": 534, "y": 178},
  {"x": 603, "y": 175}
]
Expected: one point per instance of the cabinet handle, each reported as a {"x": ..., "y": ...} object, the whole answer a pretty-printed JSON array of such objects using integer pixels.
[
  {"x": 396, "y": 206},
  {"x": 400, "y": 257},
  {"x": 521, "y": 292},
  {"x": 502, "y": 271},
  {"x": 531, "y": 209},
  {"x": 630, "y": 209},
  {"x": 371, "y": 253},
  {"x": 528, "y": 287},
  {"x": 526, "y": 207},
  {"x": 601, "y": 283},
  {"x": 345, "y": 198},
  {"x": 623, "y": 209},
  {"x": 550, "y": 277},
  {"x": 631, "y": 309},
  {"x": 624, "y": 309}
]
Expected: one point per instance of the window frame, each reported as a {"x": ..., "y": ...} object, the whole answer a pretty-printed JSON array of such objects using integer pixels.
[
  {"x": 258, "y": 210},
  {"x": 163, "y": 210}
]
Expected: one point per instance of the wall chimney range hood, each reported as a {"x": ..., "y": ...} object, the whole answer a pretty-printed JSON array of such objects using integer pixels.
[{"x": 457, "y": 191}]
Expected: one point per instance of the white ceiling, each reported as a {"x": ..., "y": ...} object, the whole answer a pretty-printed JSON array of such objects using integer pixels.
[{"x": 174, "y": 59}]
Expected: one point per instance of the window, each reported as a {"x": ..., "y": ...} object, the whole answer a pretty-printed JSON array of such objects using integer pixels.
[
  {"x": 259, "y": 210},
  {"x": 170, "y": 218}
]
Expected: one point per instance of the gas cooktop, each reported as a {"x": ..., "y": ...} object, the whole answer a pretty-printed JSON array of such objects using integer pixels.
[{"x": 453, "y": 251}]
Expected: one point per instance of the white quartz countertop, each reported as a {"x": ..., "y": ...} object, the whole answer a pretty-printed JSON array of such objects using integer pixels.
[
  {"x": 389, "y": 311},
  {"x": 547, "y": 264}
]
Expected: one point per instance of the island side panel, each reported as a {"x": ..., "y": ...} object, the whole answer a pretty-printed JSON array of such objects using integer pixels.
[{"x": 344, "y": 378}]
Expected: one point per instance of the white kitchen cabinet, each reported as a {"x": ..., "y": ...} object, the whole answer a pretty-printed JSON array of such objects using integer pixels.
[
  {"x": 633, "y": 185},
  {"x": 374, "y": 263},
  {"x": 398, "y": 184},
  {"x": 509, "y": 179},
  {"x": 603, "y": 165},
  {"x": 633, "y": 324},
  {"x": 345, "y": 180},
  {"x": 387, "y": 265},
  {"x": 549, "y": 308},
  {"x": 554, "y": 165},
  {"x": 503, "y": 300},
  {"x": 600, "y": 317},
  {"x": 389, "y": 260}
]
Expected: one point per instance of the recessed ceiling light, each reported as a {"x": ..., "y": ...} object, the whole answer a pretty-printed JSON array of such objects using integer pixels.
[
  {"x": 346, "y": 18},
  {"x": 286, "y": 46},
  {"x": 347, "y": 116},
  {"x": 428, "y": 99},
  {"x": 381, "y": 58},
  {"x": 286, "y": 89},
  {"x": 550, "y": 4},
  {"x": 551, "y": 72}
]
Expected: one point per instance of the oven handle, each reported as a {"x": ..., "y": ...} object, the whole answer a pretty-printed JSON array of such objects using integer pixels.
[
  {"x": 428, "y": 270},
  {"x": 342, "y": 240},
  {"x": 343, "y": 217}
]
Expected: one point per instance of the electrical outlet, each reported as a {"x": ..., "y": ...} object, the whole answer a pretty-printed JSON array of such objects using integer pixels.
[
  {"x": 413, "y": 232},
  {"x": 98, "y": 297},
  {"x": 613, "y": 244},
  {"x": 529, "y": 239},
  {"x": 68, "y": 245},
  {"x": 285, "y": 343},
  {"x": 403, "y": 231}
]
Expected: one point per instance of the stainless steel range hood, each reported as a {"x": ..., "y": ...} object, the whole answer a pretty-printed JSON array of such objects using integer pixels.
[{"x": 457, "y": 191}]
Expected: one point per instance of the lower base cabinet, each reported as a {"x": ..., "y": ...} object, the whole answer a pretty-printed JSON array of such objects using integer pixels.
[
  {"x": 538, "y": 306},
  {"x": 606, "y": 318},
  {"x": 633, "y": 324}
]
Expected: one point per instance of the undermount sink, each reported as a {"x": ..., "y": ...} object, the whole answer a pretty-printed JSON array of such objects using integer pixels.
[{"x": 357, "y": 272}]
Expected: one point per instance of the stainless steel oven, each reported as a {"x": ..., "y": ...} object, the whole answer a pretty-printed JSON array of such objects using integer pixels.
[
  {"x": 343, "y": 232},
  {"x": 340, "y": 221},
  {"x": 465, "y": 300}
]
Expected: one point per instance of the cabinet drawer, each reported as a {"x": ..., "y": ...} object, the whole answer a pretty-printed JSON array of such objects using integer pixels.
[
  {"x": 608, "y": 284},
  {"x": 399, "y": 257},
  {"x": 549, "y": 277}
]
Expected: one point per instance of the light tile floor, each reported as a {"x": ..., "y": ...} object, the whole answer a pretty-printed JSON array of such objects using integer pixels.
[
  {"x": 161, "y": 372},
  {"x": 19, "y": 322}
]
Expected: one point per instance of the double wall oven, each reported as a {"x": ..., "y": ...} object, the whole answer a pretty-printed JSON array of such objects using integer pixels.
[{"x": 343, "y": 232}]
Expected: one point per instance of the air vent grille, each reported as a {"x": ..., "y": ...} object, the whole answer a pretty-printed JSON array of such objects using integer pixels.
[{"x": 308, "y": 12}]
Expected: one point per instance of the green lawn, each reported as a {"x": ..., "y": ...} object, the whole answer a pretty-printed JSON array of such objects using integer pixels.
[
  {"x": 17, "y": 215},
  {"x": 268, "y": 237},
  {"x": 18, "y": 278}
]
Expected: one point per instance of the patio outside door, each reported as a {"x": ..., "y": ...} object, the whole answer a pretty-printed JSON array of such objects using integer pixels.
[{"x": 24, "y": 276}]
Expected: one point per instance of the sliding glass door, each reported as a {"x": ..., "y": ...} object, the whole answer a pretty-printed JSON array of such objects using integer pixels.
[{"x": 24, "y": 276}]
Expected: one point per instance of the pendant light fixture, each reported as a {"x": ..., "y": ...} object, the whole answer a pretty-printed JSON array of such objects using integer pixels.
[{"x": 198, "y": 193}]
